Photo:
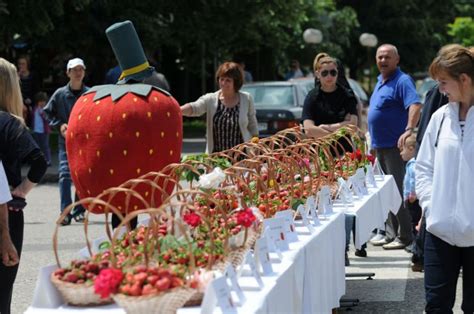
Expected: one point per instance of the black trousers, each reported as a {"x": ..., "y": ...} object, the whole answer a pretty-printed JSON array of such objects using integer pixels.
[
  {"x": 397, "y": 226},
  {"x": 8, "y": 274},
  {"x": 442, "y": 265}
]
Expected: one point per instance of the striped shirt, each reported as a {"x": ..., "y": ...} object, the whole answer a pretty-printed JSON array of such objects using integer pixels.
[{"x": 226, "y": 127}]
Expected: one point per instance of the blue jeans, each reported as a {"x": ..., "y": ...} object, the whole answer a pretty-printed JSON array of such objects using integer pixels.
[
  {"x": 442, "y": 265},
  {"x": 350, "y": 227},
  {"x": 65, "y": 181},
  {"x": 42, "y": 139}
]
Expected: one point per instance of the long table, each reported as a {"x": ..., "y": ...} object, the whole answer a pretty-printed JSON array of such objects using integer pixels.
[
  {"x": 371, "y": 211},
  {"x": 310, "y": 278}
]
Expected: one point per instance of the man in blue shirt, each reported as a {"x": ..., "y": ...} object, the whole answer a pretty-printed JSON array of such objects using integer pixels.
[
  {"x": 394, "y": 112},
  {"x": 58, "y": 110}
]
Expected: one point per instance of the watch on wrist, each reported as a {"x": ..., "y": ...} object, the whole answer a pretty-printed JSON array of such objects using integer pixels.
[{"x": 410, "y": 129}]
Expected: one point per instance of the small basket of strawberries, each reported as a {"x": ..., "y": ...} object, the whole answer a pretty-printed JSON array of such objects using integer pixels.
[{"x": 76, "y": 281}]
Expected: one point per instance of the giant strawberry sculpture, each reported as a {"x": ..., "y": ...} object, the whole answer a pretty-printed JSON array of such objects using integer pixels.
[{"x": 119, "y": 132}]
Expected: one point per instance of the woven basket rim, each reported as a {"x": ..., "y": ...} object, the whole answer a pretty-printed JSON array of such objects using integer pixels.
[
  {"x": 150, "y": 296},
  {"x": 55, "y": 279}
]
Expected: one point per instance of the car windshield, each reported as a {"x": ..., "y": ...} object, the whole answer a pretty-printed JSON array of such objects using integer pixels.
[{"x": 275, "y": 96}]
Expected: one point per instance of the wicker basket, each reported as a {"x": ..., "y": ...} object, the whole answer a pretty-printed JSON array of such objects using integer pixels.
[
  {"x": 164, "y": 303},
  {"x": 78, "y": 294}
]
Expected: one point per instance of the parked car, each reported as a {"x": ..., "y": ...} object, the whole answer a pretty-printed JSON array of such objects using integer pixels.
[
  {"x": 424, "y": 87},
  {"x": 279, "y": 104},
  {"x": 362, "y": 104},
  {"x": 359, "y": 92}
]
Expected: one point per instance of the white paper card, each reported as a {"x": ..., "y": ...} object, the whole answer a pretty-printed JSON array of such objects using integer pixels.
[
  {"x": 301, "y": 209},
  {"x": 46, "y": 295},
  {"x": 324, "y": 201},
  {"x": 277, "y": 232},
  {"x": 310, "y": 204},
  {"x": 272, "y": 246},
  {"x": 369, "y": 176},
  {"x": 263, "y": 256},
  {"x": 344, "y": 191},
  {"x": 249, "y": 260},
  {"x": 209, "y": 301},
  {"x": 378, "y": 169},
  {"x": 311, "y": 209},
  {"x": 354, "y": 183},
  {"x": 360, "y": 174},
  {"x": 290, "y": 225},
  {"x": 232, "y": 277},
  {"x": 223, "y": 295}
]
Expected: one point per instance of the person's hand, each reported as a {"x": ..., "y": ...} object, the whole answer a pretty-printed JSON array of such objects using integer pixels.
[
  {"x": 325, "y": 127},
  {"x": 403, "y": 138},
  {"x": 9, "y": 253},
  {"x": 63, "y": 129},
  {"x": 418, "y": 226}
]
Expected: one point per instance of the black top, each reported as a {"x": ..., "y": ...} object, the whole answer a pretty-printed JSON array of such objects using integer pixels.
[
  {"x": 17, "y": 147},
  {"x": 433, "y": 101},
  {"x": 328, "y": 108},
  {"x": 226, "y": 130}
]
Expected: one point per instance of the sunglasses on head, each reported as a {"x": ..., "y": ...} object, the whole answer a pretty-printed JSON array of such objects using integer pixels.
[{"x": 327, "y": 72}]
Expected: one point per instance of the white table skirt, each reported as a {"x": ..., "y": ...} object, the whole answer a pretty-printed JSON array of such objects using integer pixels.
[{"x": 371, "y": 211}]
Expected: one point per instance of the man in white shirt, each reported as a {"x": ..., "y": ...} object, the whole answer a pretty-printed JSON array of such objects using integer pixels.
[{"x": 9, "y": 253}]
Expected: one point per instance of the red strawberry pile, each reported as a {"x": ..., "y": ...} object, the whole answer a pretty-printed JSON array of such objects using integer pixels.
[
  {"x": 82, "y": 271},
  {"x": 143, "y": 280}
]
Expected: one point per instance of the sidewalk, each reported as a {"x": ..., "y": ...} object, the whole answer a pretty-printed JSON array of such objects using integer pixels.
[{"x": 395, "y": 288}]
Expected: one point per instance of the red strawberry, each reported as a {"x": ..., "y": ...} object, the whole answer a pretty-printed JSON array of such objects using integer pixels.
[
  {"x": 120, "y": 140},
  {"x": 176, "y": 282},
  {"x": 135, "y": 290},
  {"x": 152, "y": 279},
  {"x": 70, "y": 277},
  {"x": 163, "y": 284},
  {"x": 149, "y": 289},
  {"x": 140, "y": 278}
]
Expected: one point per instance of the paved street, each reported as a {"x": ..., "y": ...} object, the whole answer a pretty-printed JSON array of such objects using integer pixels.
[{"x": 394, "y": 289}]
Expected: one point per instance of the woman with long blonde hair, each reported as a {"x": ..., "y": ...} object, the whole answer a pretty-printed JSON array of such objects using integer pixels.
[
  {"x": 10, "y": 92},
  {"x": 16, "y": 147}
]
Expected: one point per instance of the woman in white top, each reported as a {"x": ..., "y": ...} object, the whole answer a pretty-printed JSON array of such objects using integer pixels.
[
  {"x": 231, "y": 116},
  {"x": 9, "y": 253},
  {"x": 444, "y": 183}
]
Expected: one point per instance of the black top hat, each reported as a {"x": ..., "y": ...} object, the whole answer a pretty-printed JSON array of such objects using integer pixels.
[{"x": 129, "y": 52}]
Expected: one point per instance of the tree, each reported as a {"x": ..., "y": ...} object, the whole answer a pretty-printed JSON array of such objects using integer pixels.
[
  {"x": 462, "y": 31},
  {"x": 417, "y": 28}
]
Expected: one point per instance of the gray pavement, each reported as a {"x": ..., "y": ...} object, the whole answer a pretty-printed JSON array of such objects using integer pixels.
[{"x": 394, "y": 289}]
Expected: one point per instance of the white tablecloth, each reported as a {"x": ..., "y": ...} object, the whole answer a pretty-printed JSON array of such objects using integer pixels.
[
  {"x": 309, "y": 279},
  {"x": 372, "y": 210}
]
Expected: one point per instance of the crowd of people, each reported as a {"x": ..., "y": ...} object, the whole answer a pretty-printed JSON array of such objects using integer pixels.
[{"x": 429, "y": 152}]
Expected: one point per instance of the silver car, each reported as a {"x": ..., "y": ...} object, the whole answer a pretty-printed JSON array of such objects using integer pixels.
[{"x": 279, "y": 104}]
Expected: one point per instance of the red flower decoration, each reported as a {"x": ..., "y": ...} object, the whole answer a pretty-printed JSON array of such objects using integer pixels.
[
  {"x": 356, "y": 155},
  {"x": 107, "y": 282},
  {"x": 370, "y": 158},
  {"x": 245, "y": 217},
  {"x": 192, "y": 219}
]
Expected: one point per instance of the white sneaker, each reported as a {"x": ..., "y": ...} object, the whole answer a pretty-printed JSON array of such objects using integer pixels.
[{"x": 377, "y": 238}]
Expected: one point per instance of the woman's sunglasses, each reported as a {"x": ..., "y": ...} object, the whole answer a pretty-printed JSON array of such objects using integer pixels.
[{"x": 327, "y": 72}]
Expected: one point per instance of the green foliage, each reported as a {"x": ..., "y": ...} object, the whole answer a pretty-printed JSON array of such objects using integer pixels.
[
  {"x": 398, "y": 22},
  {"x": 462, "y": 31}
]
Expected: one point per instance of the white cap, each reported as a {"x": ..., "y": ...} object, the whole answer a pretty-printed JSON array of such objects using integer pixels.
[{"x": 74, "y": 63}]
